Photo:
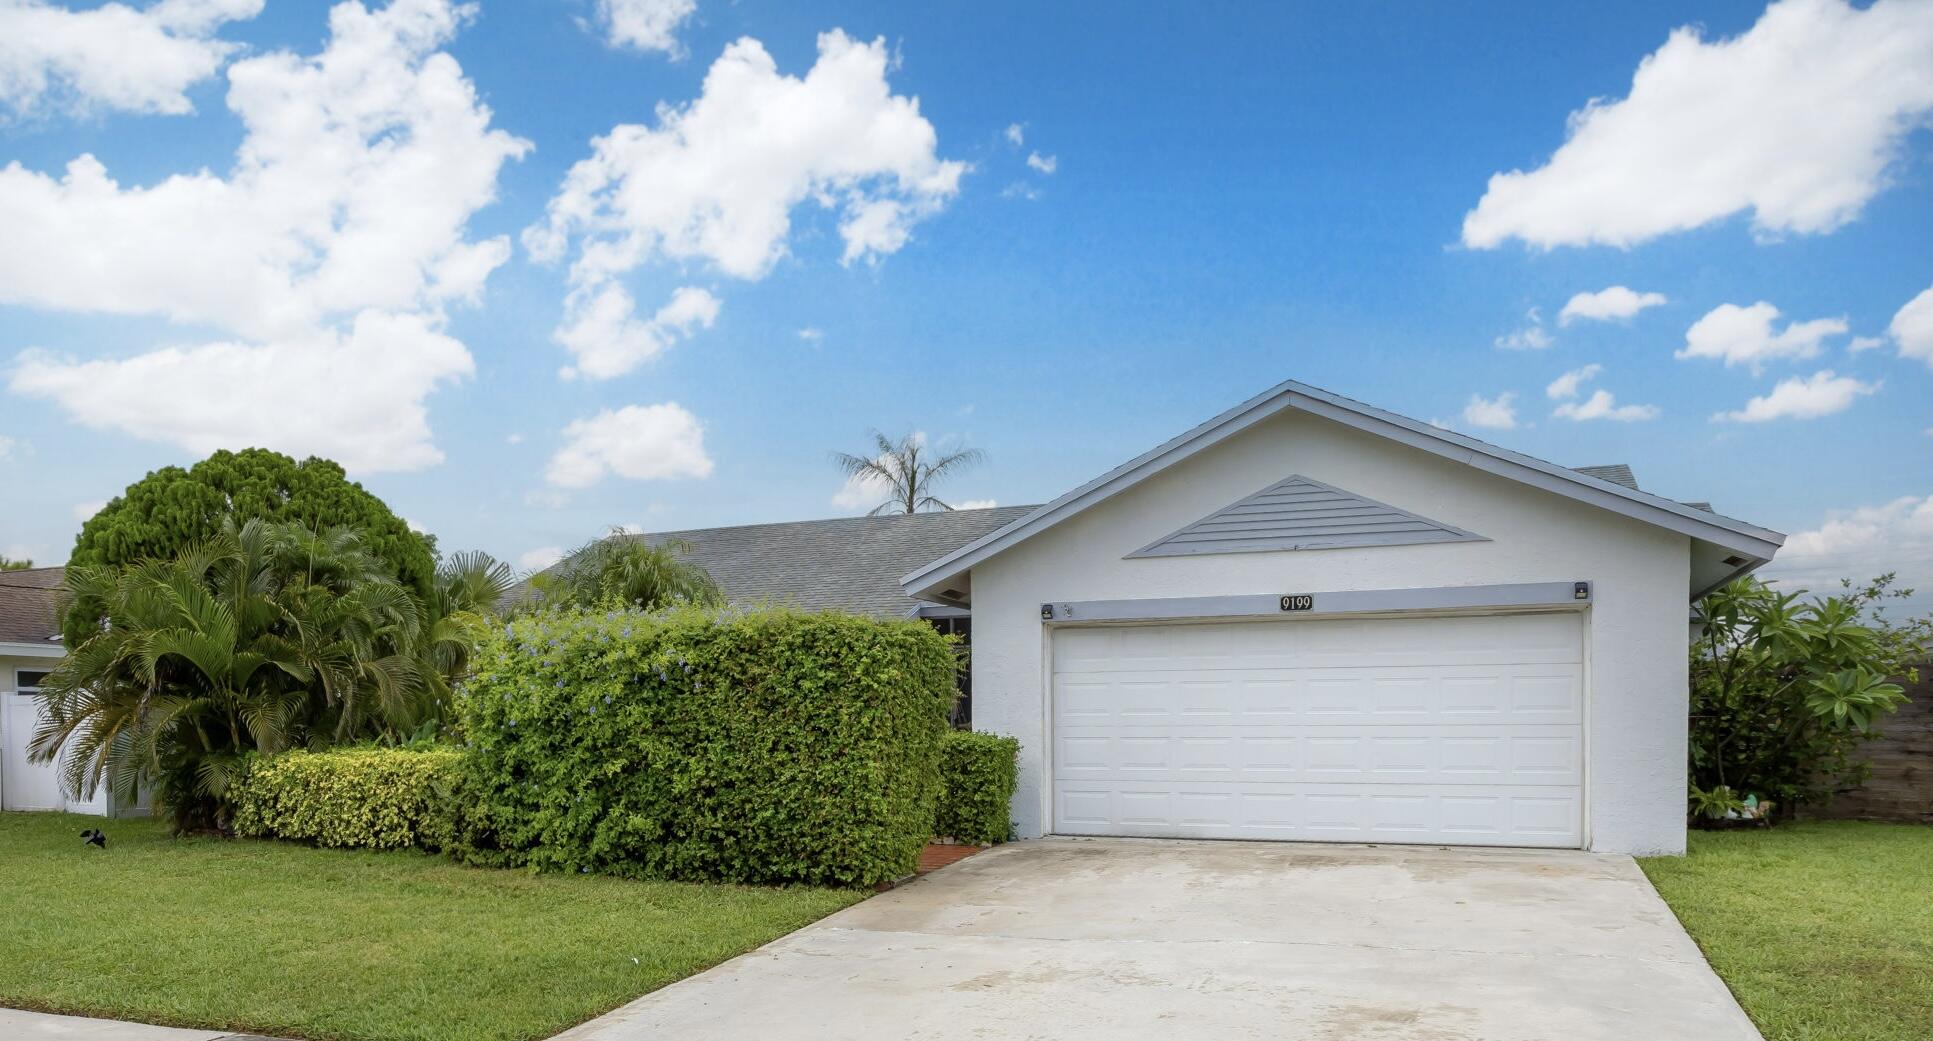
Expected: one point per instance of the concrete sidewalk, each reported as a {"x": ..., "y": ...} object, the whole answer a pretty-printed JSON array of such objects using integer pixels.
[{"x": 17, "y": 1025}]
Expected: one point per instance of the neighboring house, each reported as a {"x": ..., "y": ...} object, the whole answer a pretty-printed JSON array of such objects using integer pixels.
[
  {"x": 29, "y": 647},
  {"x": 1309, "y": 618}
]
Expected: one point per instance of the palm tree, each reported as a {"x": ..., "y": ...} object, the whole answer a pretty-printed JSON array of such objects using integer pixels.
[
  {"x": 266, "y": 637},
  {"x": 626, "y": 571},
  {"x": 906, "y": 470}
]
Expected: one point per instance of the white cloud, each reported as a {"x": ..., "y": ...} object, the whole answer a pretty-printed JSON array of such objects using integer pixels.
[
  {"x": 1802, "y": 398},
  {"x": 1743, "y": 336},
  {"x": 862, "y": 492},
  {"x": 607, "y": 339},
  {"x": 1020, "y": 190},
  {"x": 1603, "y": 405},
  {"x": 341, "y": 227},
  {"x": 85, "y": 510},
  {"x": 539, "y": 558},
  {"x": 1606, "y": 304},
  {"x": 113, "y": 56},
  {"x": 717, "y": 179},
  {"x": 513, "y": 439},
  {"x": 1862, "y": 543},
  {"x": 812, "y": 335},
  {"x": 1046, "y": 164},
  {"x": 639, "y": 442},
  {"x": 975, "y": 504},
  {"x": 355, "y": 397},
  {"x": 646, "y": 25},
  {"x": 1491, "y": 413},
  {"x": 1912, "y": 328},
  {"x": 1864, "y": 343},
  {"x": 1531, "y": 337},
  {"x": 1566, "y": 386},
  {"x": 1016, "y": 134},
  {"x": 6, "y": 447},
  {"x": 1799, "y": 120}
]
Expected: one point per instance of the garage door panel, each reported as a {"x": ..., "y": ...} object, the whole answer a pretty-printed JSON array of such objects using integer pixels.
[
  {"x": 1403, "y": 694},
  {"x": 1481, "y": 815},
  {"x": 1476, "y": 640},
  {"x": 1458, "y": 729},
  {"x": 1533, "y": 755}
]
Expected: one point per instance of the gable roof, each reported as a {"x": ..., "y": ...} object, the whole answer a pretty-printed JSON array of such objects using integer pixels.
[
  {"x": 1298, "y": 513},
  {"x": 28, "y": 601},
  {"x": 1728, "y": 539},
  {"x": 841, "y": 564}
]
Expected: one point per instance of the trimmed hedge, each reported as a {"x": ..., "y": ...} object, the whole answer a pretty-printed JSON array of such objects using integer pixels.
[
  {"x": 977, "y": 777},
  {"x": 375, "y": 798},
  {"x": 762, "y": 746}
]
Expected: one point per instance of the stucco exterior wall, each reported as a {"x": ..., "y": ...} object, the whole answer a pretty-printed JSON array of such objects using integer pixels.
[
  {"x": 1635, "y": 629},
  {"x": 15, "y": 768}
]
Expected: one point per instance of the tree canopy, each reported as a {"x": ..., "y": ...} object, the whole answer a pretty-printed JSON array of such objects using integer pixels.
[
  {"x": 172, "y": 509},
  {"x": 620, "y": 571}
]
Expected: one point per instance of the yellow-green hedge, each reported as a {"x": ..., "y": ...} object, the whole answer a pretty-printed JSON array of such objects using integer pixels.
[{"x": 376, "y": 798}]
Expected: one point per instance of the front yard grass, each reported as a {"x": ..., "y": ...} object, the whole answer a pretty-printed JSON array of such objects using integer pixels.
[
  {"x": 283, "y": 939},
  {"x": 1824, "y": 930}
]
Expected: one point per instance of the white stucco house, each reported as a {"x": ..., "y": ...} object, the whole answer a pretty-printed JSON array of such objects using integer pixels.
[
  {"x": 1312, "y": 619},
  {"x": 29, "y": 647}
]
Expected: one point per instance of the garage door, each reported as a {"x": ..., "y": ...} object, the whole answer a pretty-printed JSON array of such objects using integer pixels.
[{"x": 1464, "y": 730}]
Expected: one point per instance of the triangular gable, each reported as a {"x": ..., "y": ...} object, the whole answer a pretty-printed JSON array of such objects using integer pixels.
[
  {"x": 1724, "y": 548},
  {"x": 1298, "y": 513}
]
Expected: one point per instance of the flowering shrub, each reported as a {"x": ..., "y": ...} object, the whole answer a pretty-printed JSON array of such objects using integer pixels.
[{"x": 741, "y": 746}]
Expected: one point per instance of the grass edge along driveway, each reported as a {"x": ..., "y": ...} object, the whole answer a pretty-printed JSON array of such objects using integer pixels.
[
  {"x": 1823, "y": 930},
  {"x": 277, "y": 938}
]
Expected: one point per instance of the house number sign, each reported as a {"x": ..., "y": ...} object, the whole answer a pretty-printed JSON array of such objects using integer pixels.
[{"x": 1298, "y": 602}]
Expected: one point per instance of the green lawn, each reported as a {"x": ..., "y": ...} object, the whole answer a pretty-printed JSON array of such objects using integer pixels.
[
  {"x": 283, "y": 939},
  {"x": 1823, "y": 930}
]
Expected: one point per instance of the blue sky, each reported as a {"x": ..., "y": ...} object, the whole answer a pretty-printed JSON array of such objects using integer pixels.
[{"x": 1238, "y": 194}]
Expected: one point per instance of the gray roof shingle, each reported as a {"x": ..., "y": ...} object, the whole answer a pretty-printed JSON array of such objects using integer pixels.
[
  {"x": 1616, "y": 473},
  {"x": 844, "y": 564},
  {"x": 27, "y": 605}
]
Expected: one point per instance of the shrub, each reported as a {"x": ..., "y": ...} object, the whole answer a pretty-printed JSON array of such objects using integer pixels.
[
  {"x": 378, "y": 798},
  {"x": 977, "y": 777},
  {"x": 1783, "y": 689},
  {"x": 764, "y": 746}
]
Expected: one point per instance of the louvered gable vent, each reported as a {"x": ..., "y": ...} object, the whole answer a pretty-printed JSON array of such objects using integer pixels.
[{"x": 1299, "y": 513}]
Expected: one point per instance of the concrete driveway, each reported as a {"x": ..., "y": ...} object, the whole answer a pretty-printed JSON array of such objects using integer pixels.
[{"x": 1119, "y": 939}]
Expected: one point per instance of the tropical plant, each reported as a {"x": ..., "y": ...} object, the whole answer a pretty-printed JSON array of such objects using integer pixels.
[
  {"x": 10, "y": 564},
  {"x": 172, "y": 509},
  {"x": 1784, "y": 687},
  {"x": 469, "y": 591},
  {"x": 906, "y": 471},
  {"x": 623, "y": 570},
  {"x": 263, "y": 638}
]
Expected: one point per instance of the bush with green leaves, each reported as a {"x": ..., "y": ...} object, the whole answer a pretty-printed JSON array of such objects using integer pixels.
[
  {"x": 1784, "y": 687},
  {"x": 691, "y": 744},
  {"x": 364, "y": 797},
  {"x": 265, "y": 637},
  {"x": 624, "y": 571},
  {"x": 172, "y": 510},
  {"x": 977, "y": 777}
]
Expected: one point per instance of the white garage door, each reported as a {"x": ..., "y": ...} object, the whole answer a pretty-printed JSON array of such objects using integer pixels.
[{"x": 1465, "y": 730}]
